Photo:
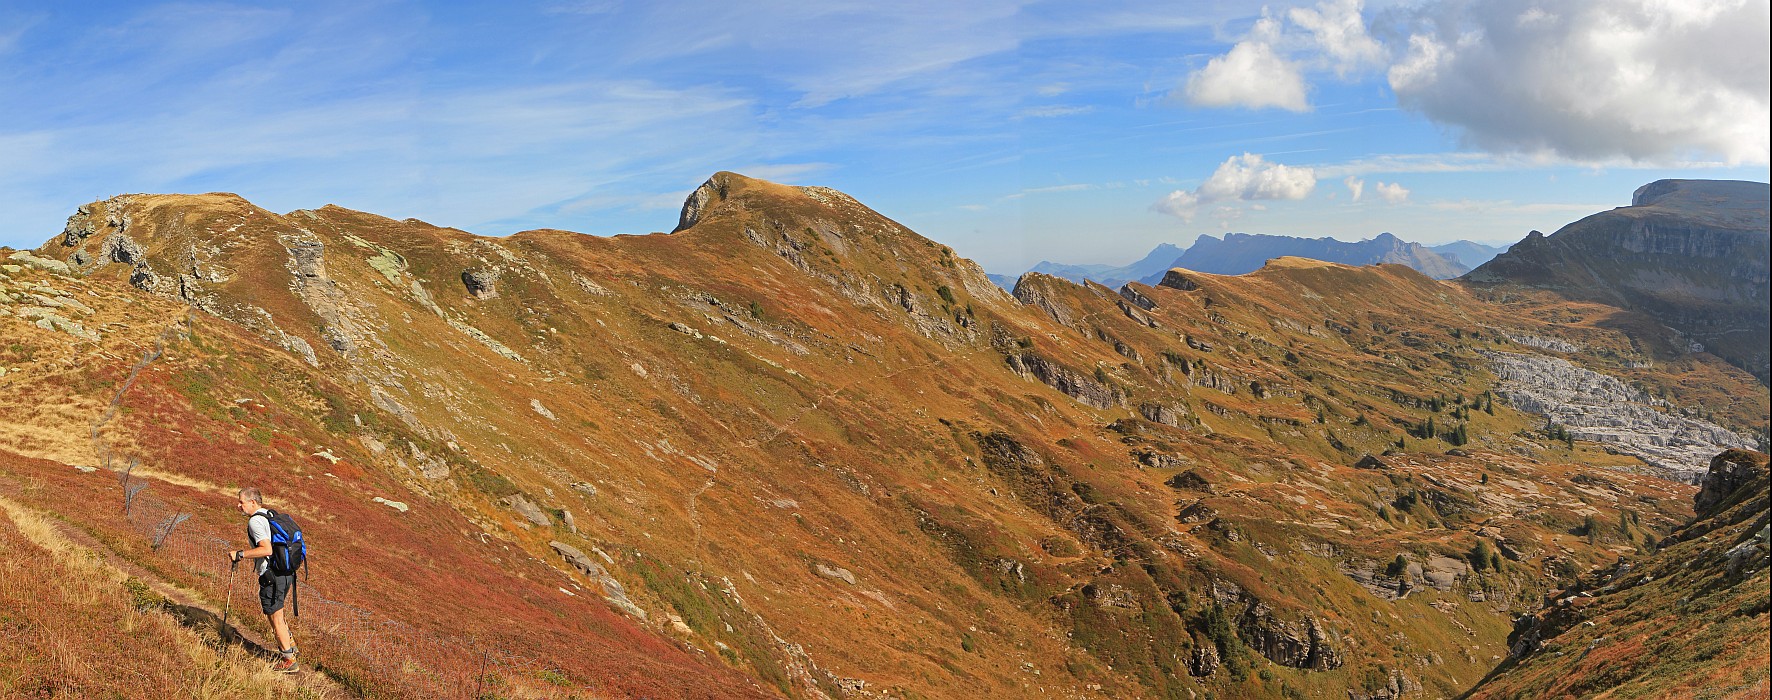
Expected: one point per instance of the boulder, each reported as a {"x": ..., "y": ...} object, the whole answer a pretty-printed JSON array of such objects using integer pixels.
[
  {"x": 531, "y": 512},
  {"x": 481, "y": 284},
  {"x": 1371, "y": 462},
  {"x": 1189, "y": 480}
]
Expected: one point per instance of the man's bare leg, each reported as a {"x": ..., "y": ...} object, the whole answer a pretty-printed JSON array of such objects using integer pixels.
[{"x": 281, "y": 630}]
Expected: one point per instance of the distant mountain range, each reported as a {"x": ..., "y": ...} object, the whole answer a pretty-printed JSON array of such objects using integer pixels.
[{"x": 1240, "y": 253}]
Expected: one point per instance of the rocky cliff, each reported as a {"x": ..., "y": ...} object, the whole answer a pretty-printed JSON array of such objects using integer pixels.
[{"x": 1693, "y": 254}]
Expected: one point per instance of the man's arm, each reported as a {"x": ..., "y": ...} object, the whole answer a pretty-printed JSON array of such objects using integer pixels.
[
  {"x": 261, "y": 551},
  {"x": 263, "y": 548}
]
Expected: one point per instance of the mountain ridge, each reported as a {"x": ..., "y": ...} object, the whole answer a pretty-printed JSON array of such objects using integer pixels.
[{"x": 823, "y": 453}]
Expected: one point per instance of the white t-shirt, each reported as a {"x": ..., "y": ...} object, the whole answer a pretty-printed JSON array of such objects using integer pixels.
[{"x": 258, "y": 529}]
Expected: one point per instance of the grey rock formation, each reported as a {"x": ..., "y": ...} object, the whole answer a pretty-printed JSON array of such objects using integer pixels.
[
  {"x": 613, "y": 592},
  {"x": 1728, "y": 472},
  {"x": 1600, "y": 408},
  {"x": 481, "y": 284},
  {"x": 709, "y": 193},
  {"x": 1204, "y": 662},
  {"x": 1070, "y": 383},
  {"x": 1299, "y": 644},
  {"x": 531, "y": 512},
  {"x": 834, "y": 572}
]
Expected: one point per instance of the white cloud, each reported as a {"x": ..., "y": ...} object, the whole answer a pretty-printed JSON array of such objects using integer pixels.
[
  {"x": 1652, "y": 82},
  {"x": 1337, "y": 29},
  {"x": 1266, "y": 68},
  {"x": 1241, "y": 178},
  {"x": 1181, "y": 204},
  {"x": 1391, "y": 192},
  {"x": 1251, "y": 75},
  {"x": 1642, "y": 79},
  {"x": 1355, "y": 187}
]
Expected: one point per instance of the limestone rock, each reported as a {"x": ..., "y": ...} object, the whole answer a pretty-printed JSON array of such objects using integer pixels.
[
  {"x": 834, "y": 572},
  {"x": 1301, "y": 644},
  {"x": 612, "y": 589},
  {"x": 1600, "y": 408},
  {"x": 1070, "y": 383},
  {"x": 1204, "y": 662},
  {"x": 531, "y": 512}
]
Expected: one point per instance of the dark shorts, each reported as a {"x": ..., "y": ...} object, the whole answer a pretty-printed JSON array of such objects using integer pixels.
[{"x": 272, "y": 590}]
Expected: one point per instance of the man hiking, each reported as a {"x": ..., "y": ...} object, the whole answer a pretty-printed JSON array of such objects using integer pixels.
[{"x": 272, "y": 588}]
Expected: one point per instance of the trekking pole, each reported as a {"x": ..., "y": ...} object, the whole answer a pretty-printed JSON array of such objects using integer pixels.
[{"x": 228, "y": 607}]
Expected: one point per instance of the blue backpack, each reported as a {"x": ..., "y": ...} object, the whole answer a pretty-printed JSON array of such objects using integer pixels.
[{"x": 289, "y": 552}]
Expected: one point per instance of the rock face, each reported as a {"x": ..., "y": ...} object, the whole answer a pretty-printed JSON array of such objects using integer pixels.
[
  {"x": 1076, "y": 385},
  {"x": 1301, "y": 644},
  {"x": 1600, "y": 408},
  {"x": 1729, "y": 472},
  {"x": 1693, "y": 254},
  {"x": 712, "y": 191}
]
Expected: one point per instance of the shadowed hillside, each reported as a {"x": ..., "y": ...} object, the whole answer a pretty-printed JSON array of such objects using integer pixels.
[
  {"x": 794, "y": 448},
  {"x": 1692, "y": 254}
]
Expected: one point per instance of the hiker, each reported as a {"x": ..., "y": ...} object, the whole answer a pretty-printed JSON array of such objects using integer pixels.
[{"x": 272, "y": 588}]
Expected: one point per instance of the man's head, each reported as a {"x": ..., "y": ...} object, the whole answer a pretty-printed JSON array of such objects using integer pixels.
[{"x": 250, "y": 500}]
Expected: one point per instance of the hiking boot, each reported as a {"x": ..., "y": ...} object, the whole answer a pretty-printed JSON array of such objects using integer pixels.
[{"x": 286, "y": 664}]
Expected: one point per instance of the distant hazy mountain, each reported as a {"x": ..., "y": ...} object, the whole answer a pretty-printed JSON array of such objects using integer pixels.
[
  {"x": 1468, "y": 253},
  {"x": 1158, "y": 261},
  {"x": 1240, "y": 253},
  {"x": 1691, "y": 253}
]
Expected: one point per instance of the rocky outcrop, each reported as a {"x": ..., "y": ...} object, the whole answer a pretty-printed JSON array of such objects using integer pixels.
[
  {"x": 1204, "y": 661},
  {"x": 526, "y": 508},
  {"x": 1084, "y": 389},
  {"x": 1396, "y": 686},
  {"x": 1035, "y": 289},
  {"x": 713, "y": 191},
  {"x": 613, "y": 592},
  {"x": 1299, "y": 644},
  {"x": 1600, "y": 408},
  {"x": 1730, "y": 472}
]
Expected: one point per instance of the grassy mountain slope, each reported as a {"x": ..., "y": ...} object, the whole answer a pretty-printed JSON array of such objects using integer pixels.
[
  {"x": 1687, "y": 621},
  {"x": 808, "y": 452}
]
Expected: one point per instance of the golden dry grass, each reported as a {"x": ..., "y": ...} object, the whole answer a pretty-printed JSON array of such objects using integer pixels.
[{"x": 69, "y": 626}]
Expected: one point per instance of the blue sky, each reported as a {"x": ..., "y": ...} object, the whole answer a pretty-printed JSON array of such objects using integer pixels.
[{"x": 1013, "y": 131}]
